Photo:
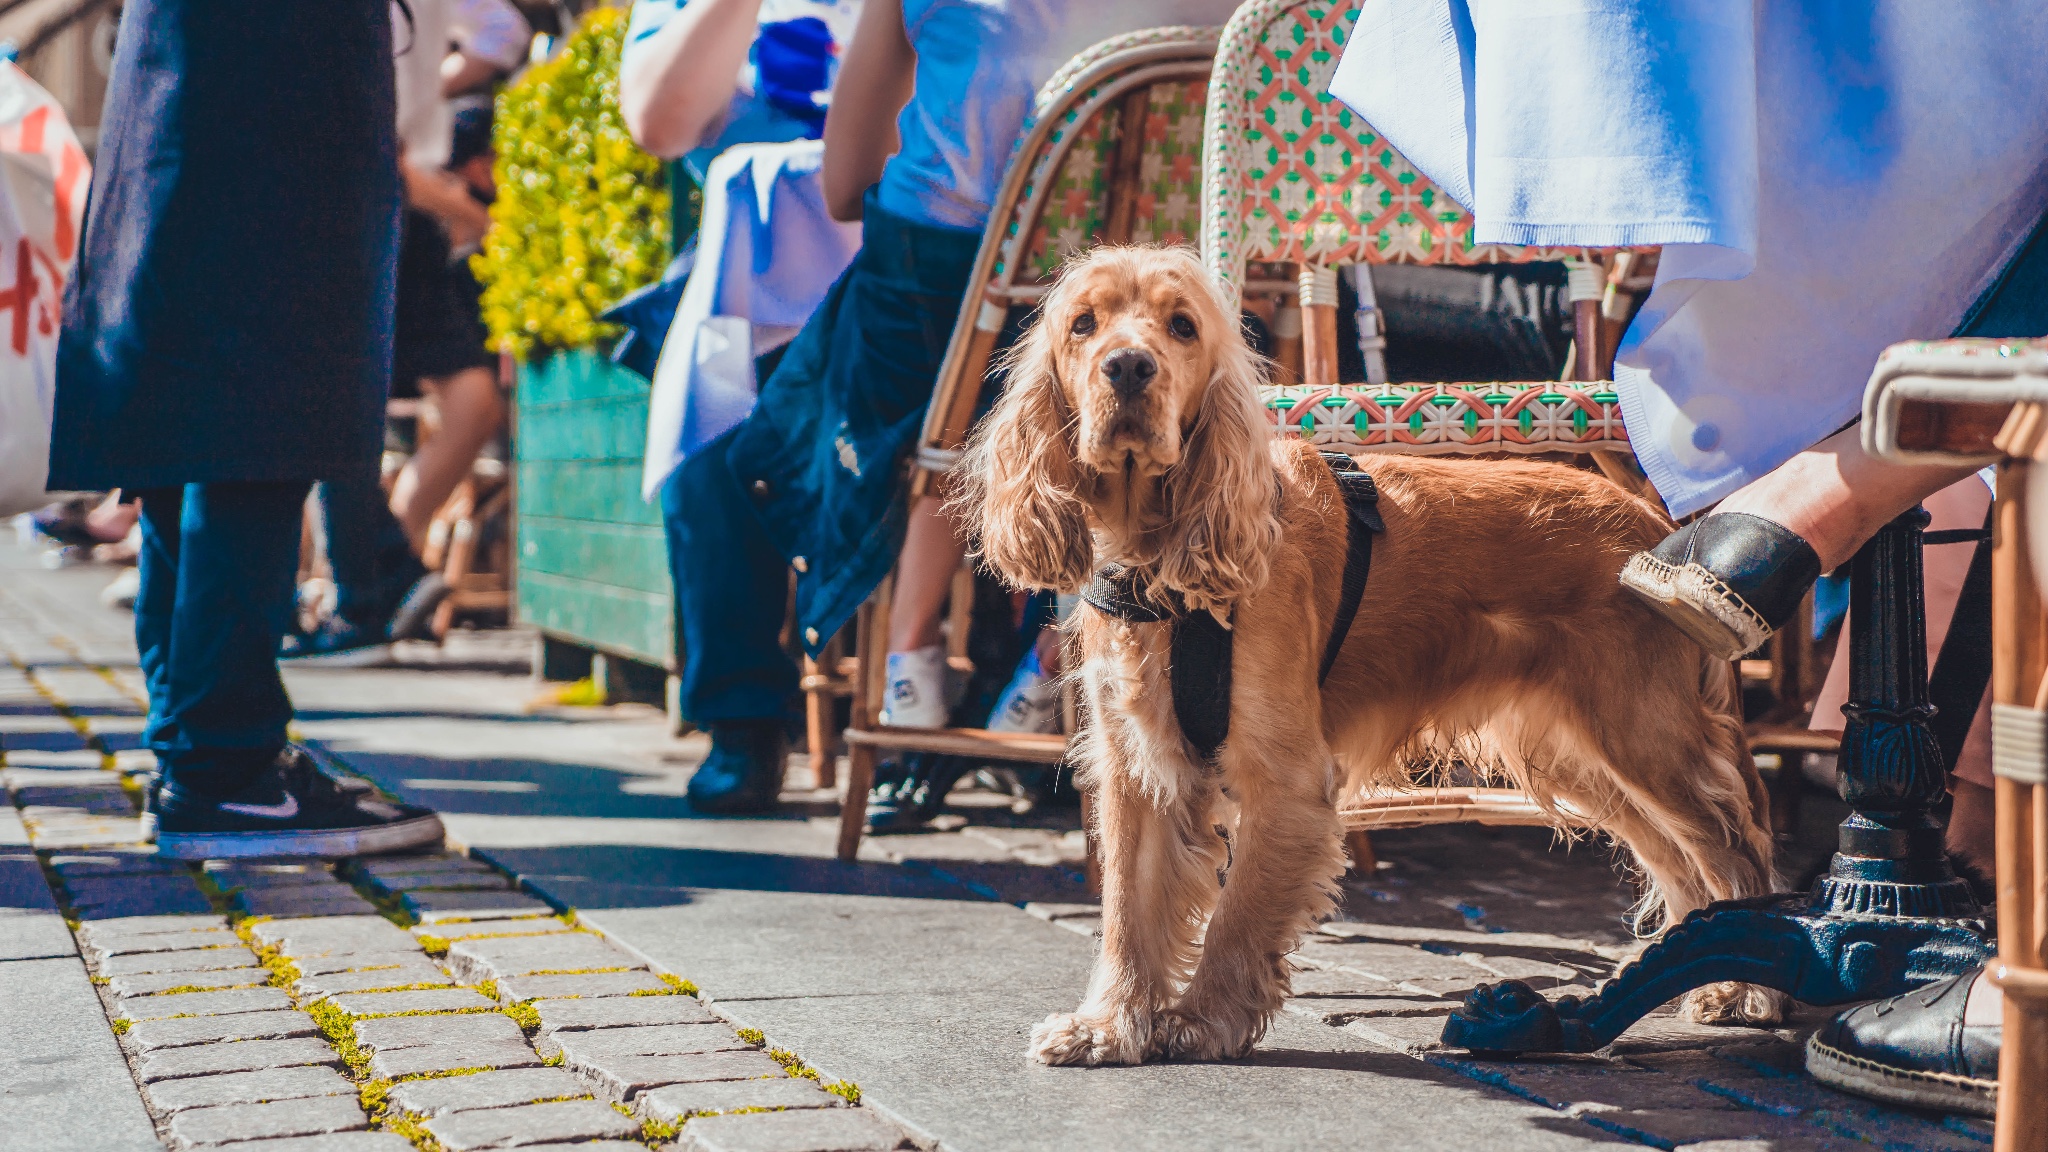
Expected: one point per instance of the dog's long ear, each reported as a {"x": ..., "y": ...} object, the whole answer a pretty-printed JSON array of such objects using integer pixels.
[
  {"x": 1223, "y": 522},
  {"x": 1016, "y": 482}
]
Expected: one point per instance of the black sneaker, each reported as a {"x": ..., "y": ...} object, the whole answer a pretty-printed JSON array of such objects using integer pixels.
[
  {"x": 337, "y": 643},
  {"x": 294, "y": 809}
]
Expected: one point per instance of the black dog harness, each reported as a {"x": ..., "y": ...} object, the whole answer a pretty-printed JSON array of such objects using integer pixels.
[{"x": 1199, "y": 664}]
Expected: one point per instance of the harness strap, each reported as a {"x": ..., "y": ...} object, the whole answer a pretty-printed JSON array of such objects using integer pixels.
[
  {"x": 1199, "y": 665},
  {"x": 1362, "y": 513}
]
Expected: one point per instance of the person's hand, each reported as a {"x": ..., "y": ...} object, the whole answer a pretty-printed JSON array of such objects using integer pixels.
[{"x": 445, "y": 196}]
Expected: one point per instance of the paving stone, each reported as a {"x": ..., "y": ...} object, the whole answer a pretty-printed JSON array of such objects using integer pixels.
[
  {"x": 69, "y": 865},
  {"x": 243, "y": 1056},
  {"x": 151, "y": 1035},
  {"x": 341, "y": 901},
  {"x": 589, "y": 1146},
  {"x": 392, "y": 1003},
  {"x": 838, "y": 1130},
  {"x": 1671, "y": 1127},
  {"x": 495, "y": 959},
  {"x": 398, "y": 1062},
  {"x": 355, "y": 961},
  {"x": 465, "y": 880},
  {"x": 158, "y": 982},
  {"x": 527, "y": 1124},
  {"x": 419, "y": 972},
  {"x": 386, "y": 1033},
  {"x": 1395, "y": 963},
  {"x": 335, "y": 936},
  {"x": 192, "y": 960},
  {"x": 122, "y": 903},
  {"x": 233, "y": 1122},
  {"x": 672, "y": 1104},
  {"x": 433, "y": 907},
  {"x": 620, "y": 1012},
  {"x": 334, "y": 1142},
  {"x": 248, "y": 1088},
  {"x": 527, "y": 926},
  {"x": 486, "y": 1090},
  {"x": 513, "y": 989},
  {"x": 202, "y": 1003},
  {"x": 658, "y": 1040},
  {"x": 411, "y": 865},
  {"x": 98, "y": 948},
  {"x": 625, "y": 1077}
]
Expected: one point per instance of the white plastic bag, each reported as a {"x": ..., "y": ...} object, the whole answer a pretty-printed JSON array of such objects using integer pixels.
[{"x": 43, "y": 178}]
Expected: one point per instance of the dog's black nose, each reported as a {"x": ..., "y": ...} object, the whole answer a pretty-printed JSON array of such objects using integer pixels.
[{"x": 1129, "y": 371}]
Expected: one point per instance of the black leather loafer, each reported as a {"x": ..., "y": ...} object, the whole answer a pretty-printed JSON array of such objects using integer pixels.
[
  {"x": 1913, "y": 1050},
  {"x": 1728, "y": 580},
  {"x": 744, "y": 771}
]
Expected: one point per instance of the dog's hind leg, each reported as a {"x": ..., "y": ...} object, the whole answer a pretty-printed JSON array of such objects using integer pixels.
[
  {"x": 1159, "y": 860},
  {"x": 1288, "y": 853},
  {"x": 1683, "y": 795}
]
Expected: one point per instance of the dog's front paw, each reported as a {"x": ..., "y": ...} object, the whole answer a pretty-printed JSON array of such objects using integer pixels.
[
  {"x": 1074, "y": 1038},
  {"x": 1186, "y": 1034},
  {"x": 1732, "y": 1003}
]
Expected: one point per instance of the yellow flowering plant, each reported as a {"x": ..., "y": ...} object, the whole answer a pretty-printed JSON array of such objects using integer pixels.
[{"x": 582, "y": 214}]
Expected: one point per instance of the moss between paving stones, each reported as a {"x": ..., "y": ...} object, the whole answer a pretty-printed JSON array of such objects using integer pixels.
[{"x": 677, "y": 986}]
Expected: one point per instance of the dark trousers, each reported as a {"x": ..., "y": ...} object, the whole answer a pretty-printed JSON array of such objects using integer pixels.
[
  {"x": 732, "y": 589},
  {"x": 373, "y": 563},
  {"x": 217, "y": 567}
]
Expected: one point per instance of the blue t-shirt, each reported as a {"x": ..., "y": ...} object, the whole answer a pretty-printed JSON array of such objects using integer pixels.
[
  {"x": 979, "y": 63},
  {"x": 787, "y": 81}
]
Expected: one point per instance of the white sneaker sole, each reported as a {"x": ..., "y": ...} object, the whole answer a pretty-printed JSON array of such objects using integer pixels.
[
  {"x": 326, "y": 843},
  {"x": 369, "y": 656}
]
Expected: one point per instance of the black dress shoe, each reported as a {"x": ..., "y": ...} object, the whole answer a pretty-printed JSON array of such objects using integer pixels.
[
  {"x": 1913, "y": 1050},
  {"x": 744, "y": 771},
  {"x": 1728, "y": 580}
]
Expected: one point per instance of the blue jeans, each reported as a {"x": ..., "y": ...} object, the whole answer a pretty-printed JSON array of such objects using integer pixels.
[
  {"x": 732, "y": 589},
  {"x": 373, "y": 563},
  {"x": 217, "y": 567}
]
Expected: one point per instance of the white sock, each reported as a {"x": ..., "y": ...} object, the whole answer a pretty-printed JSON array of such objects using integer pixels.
[{"x": 916, "y": 695}]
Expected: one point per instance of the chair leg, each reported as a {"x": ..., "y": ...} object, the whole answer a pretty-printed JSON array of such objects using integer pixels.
[
  {"x": 853, "y": 811},
  {"x": 1364, "y": 861},
  {"x": 820, "y": 694},
  {"x": 2019, "y": 689},
  {"x": 871, "y": 643}
]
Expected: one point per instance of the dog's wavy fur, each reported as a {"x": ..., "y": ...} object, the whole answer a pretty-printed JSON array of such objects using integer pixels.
[{"x": 1494, "y": 632}]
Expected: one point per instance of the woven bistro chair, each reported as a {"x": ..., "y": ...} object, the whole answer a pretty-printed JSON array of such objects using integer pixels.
[
  {"x": 1111, "y": 156},
  {"x": 1294, "y": 178}
]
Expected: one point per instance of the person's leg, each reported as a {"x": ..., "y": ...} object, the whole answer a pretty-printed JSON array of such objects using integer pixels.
[
  {"x": 731, "y": 589},
  {"x": 373, "y": 562},
  {"x": 221, "y": 717},
  {"x": 1835, "y": 495},
  {"x": 157, "y": 596},
  {"x": 472, "y": 410},
  {"x": 232, "y": 785},
  {"x": 932, "y": 549}
]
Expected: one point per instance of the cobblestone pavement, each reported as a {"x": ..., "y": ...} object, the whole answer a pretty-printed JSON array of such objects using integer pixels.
[{"x": 531, "y": 986}]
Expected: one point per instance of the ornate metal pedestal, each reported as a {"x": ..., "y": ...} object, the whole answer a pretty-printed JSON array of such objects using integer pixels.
[{"x": 1890, "y": 914}]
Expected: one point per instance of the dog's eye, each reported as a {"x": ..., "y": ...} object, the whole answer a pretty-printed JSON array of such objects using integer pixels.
[
  {"x": 1181, "y": 327},
  {"x": 1083, "y": 325}
]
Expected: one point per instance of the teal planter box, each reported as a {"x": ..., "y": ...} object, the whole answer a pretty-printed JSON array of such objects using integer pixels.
[{"x": 593, "y": 560}]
